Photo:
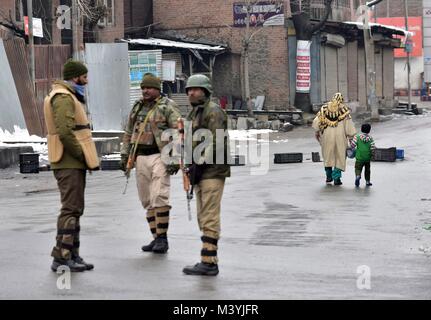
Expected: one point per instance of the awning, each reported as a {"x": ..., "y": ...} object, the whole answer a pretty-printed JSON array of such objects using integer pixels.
[
  {"x": 176, "y": 44},
  {"x": 393, "y": 30}
]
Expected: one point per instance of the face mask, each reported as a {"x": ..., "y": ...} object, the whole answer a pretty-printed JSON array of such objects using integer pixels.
[{"x": 80, "y": 89}]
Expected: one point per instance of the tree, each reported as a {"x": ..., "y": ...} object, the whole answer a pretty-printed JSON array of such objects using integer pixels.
[{"x": 304, "y": 32}]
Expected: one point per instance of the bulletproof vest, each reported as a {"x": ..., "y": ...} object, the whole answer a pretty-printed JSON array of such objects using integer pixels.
[{"x": 81, "y": 131}]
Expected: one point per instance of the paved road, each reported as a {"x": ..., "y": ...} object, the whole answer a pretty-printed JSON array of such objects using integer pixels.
[{"x": 285, "y": 235}]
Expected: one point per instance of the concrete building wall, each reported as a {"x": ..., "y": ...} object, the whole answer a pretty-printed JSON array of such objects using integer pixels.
[
  {"x": 213, "y": 20},
  {"x": 417, "y": 67},
  {"x": 395, "y": 8}
]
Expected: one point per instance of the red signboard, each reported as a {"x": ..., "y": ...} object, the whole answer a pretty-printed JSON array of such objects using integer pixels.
[
  {"x": 26, "y": 25},
  {"x": 415, "y": 26}
]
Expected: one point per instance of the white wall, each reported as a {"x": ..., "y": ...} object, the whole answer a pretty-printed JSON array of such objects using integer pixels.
[{"x": 417, "y": 67}]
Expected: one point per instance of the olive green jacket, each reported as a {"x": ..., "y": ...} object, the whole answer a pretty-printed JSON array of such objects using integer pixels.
[
  {"x": 210, "y": 116},
  {"x": 164, "y": 116},
  {"x": 63, "y": 108}
]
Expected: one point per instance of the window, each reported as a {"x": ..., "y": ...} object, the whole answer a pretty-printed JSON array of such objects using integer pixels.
[
  {"x": 19, "y": 11},
  {"x": 110, "y": 12},
  {"x": 109, "y": 18}
]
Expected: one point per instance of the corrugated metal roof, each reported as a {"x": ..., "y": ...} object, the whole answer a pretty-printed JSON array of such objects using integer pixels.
[
  {"x": 16, "y": 51},
  {"x": 175, "y": 44},
  {"x": 394, "y": 30}
]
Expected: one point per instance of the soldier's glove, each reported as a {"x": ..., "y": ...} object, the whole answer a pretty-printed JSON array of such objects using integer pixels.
[
  {"x": 172, "y": 169},
  {"x": 123, "y": 162}
]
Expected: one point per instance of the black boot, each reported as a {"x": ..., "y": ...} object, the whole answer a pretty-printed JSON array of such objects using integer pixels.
[
  {"x": 149, "y": 247},
  {"x": 71, "y": 264},
  {"x": 80, "y": 260},
  {"x": 202, "y": 269},
  {"x": 337, "y": 182},
  {"x": 161, "y": 245}
]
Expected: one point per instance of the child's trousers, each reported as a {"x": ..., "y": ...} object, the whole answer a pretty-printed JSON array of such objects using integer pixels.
[{"x": 358, "y": 169}]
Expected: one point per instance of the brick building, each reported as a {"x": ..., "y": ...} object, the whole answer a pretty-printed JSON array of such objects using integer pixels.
[
  {"x": 213, "y": 21},
  {"x": 272, "y": 51},
  {"x": 138, "y": 18},
  {"x": 108, "y": 29},
  {"x": 395, "y": 8}
]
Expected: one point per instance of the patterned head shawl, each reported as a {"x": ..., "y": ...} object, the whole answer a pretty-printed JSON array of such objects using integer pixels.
[{"x": 333, "y": 112}]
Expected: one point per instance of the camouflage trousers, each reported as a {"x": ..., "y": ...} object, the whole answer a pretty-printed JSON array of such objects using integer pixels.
[
  {"x": 153, "y": 184},
  {"x": 209, "y": 193},
  {"x": 71, "y": 183}
]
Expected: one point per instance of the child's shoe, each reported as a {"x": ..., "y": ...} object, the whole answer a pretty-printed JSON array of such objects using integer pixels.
[{"x": 358, "y": 181}]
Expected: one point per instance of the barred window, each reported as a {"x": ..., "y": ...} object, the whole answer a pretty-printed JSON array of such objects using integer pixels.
[
  {"x": 109, "y": 19},
  {"x": 341, "y": 9}
]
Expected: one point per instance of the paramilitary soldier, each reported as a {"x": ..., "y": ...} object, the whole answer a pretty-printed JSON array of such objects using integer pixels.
[
  {"x": 71, "y": 151},
  {"x": 207, "y": 179},
  {"x": 148, "y": 119}
]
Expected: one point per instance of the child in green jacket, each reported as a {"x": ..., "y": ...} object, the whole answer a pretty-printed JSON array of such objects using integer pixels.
[{"x": 364, "y": 144}]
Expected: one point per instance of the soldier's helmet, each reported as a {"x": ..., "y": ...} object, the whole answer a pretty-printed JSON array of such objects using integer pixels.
[{"x": 199, "y": 81}]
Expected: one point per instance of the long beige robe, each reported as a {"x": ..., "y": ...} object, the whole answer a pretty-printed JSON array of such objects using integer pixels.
[{"x": 334, "y": 142}]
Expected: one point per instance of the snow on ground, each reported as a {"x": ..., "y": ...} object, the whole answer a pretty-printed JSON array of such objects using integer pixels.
[
  {"x": 241, "y": 135},
  {"x": 21, "y": 138},
  {"x": 19, "y": 135}
]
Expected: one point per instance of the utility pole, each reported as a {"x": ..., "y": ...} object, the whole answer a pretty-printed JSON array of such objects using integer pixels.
[
  {"x": 31, "y": 41},
  {"x": 371, "y": 72},
  {"x": 75, "y": 33},
  {"x": 246, "y": 48},
  {"x": 408, "y": 54}
]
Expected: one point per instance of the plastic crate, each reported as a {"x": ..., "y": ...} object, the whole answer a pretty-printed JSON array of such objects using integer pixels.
[
  {"x": 29, "y": 163},
  {"x": 387, "y": 155},
  {"x": 111, "y": 164},
  {"x": 400, "y": 154},
  {"x": 288, "y": 157},
  {"x": 315, "y": 156}
]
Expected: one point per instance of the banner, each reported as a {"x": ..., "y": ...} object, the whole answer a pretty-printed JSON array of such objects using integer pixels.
[
  {"x": 303, "y": 66},
  {"x": 262, "y": 14}
]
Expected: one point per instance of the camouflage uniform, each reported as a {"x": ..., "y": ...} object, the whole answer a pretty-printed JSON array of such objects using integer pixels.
[
  {"x": 153, "y": 180},
  {"x": 209, "y": 189}
]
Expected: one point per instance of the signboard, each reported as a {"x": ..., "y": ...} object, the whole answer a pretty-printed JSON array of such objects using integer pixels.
[
  {"x": 263, "y": 13},
  {"x": 37, "y": 27},
  {"x": 168, "y": 70},
  {"x": 142, "y": 62},
  {"x": 303, "y": 67},
  {"x": 415, "y": 26}
]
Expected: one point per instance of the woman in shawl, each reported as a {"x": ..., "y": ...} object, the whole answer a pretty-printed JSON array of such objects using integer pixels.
[{"x": 334, "y": 126}]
